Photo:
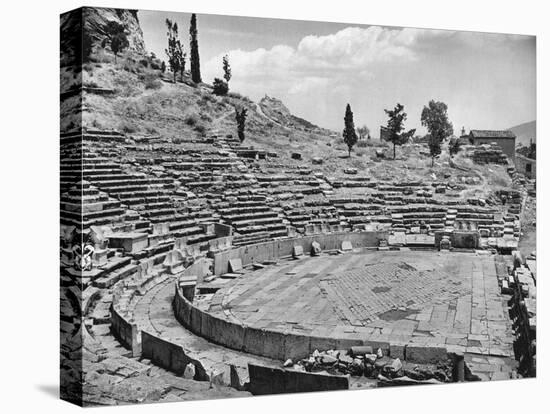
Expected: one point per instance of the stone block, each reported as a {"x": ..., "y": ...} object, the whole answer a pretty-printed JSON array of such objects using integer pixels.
[
  {"x": 231, "y": 334},
  {"x": 274, "y": 345},
  {"x": 425, "y": 354},
  {"x": 296, "y": 346},
  {"x": 361, "y": 350},
  {"x": 189, "y": 372},
  {"x": 315, "y": 249},
  {"x": 297, "y": 251},
  {"x": 384, "y": 346},
  {"x": 254, "y": 340},
  {"x": 346, "y": 246},
  {"x": 397, "y": 351},
  {"x": 235, "y": 265},
  {"x": 321, "y": 343},
  {"x": 347, "y": 343}
]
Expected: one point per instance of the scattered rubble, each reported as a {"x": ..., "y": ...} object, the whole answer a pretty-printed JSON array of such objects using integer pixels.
[{"x": 361, "y": 361}]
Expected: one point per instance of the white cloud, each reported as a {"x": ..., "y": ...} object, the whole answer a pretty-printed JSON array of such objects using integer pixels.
[
  {"x": 369, "y": 67},
  {"x": 318, "y": 59}
]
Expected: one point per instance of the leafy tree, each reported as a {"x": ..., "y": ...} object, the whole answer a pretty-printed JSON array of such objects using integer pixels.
[
  {"x": 363, "y": 132},
  {"x": 220, "y": 87},
  {"x": 395, "y": 127},
  {"x": 434, "y": 118},
  {"x": 194, "y": 47},
  {"x": 240, "y": 116},
  {"x": 226, "y": 69},
  {"x": 116, "y": 38},
  {"x": 454, "y": 146},
  {"x": 176, "y": 57},
  {"x": 119, "y": 42},
  {"x": 350, "y": 137}
]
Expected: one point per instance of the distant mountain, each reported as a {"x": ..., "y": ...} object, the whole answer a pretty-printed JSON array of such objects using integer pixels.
[{"x": 525, "y": 132}]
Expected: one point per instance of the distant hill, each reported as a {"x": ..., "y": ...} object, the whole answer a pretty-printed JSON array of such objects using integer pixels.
[{"x": 525, "y": 132}]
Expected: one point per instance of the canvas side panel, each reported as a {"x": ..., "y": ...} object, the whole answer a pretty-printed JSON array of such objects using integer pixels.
[{"x": 71, "y": 219}]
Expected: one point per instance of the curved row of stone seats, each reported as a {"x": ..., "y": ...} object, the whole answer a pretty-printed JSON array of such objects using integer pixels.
[
  {"x": 138, "y": 191},
  {"x": 323, "y": 228},
  {"x": 245, "y": 239},
  {"x": 252, "y": 215},
  {"x": 132, "y": 326},
  {"x": 84, "y": 206},
  {"x": 350, "y": 181},
  {"x": 139, "y": 333},
  {"x": 186, "y": 226},
  {"x": 202, "y": 163},
  {"x": 301, "y": 217}
]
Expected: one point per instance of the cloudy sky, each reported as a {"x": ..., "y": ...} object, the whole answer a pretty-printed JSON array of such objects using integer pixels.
[{"x": 487, "y": 80}]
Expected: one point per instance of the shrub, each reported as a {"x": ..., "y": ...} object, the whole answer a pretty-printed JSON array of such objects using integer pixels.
[
  {"x": 200, "y": 129},
  {"x": 190, "y": 120},
  {"x": 151, "y": 130},
  {"x": 220, "y": 87},
  {"x": 101, "y": 56},
  {"x": 127, "y": 127},
  {"x": 236, "y": 95},
  {"x": 206, "y": 117},
  {"x": 96, "y": 124},
  {"x": 150, "y": 80}
]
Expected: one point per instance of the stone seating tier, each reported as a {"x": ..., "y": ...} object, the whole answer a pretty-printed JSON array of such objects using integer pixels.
[
  {"x": 156, "y": 200},
  {"x": 240, "y": 210},
  {"x": 267, "y": 222},
  {"x": 126, "y": 181},
  {"x": 261, "y": 215}
]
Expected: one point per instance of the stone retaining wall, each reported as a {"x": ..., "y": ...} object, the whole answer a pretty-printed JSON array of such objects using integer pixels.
[
  {"x": 125, "y": 331},
  {"x": 264, "y": 380},
  {"x": 275, "y": 249}
]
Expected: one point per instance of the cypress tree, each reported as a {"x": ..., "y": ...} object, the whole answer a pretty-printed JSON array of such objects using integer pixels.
[
  {"x": 350, "y": 137},
  {"x": 195, "y": 61},
  {"x": 240, "y": 117}
]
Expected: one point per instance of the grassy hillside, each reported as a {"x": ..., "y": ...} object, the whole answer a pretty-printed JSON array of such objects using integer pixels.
[{"x": 146, "y": 102}]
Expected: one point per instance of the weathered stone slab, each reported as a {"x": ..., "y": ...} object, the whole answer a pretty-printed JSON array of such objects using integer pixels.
[
  {"x": 297, "y": 251},
  {"x": 235, "y": 265},
  {"x": 346, "y": 246},
  {"x": 425, "y": 354}
]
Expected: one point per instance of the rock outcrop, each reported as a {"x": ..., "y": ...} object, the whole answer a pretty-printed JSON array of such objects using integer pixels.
[
  {"x": 274, "y": 109},
  {"x": 96, "y": 20}
]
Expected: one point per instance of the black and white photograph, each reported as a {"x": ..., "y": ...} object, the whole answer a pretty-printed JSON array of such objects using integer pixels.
[
  {"x": 274, "y": 207},
  {"x": 256, "y": 206}
]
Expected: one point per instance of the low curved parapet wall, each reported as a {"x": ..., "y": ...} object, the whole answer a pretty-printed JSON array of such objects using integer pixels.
[
  {"x": 267, "y": 343},
  {"x": 275, "y": 249},
  {"x": 122, "y": 328},
  {"x": 169, "y": 356}
]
